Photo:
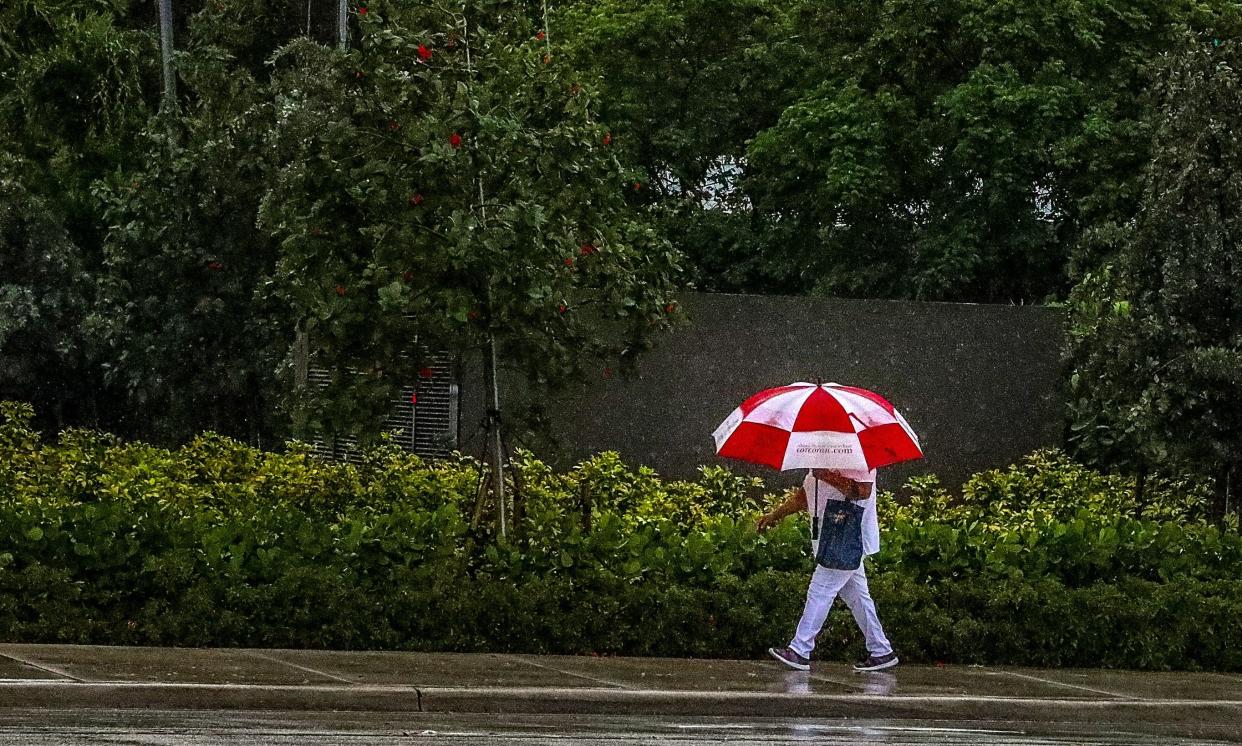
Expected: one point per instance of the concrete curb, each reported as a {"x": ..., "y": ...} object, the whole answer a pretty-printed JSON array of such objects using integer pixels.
[
  {"x": 147, "y": 695},
  {"x": 547, "y": 700},
  {"x": 829, "y": 706}
]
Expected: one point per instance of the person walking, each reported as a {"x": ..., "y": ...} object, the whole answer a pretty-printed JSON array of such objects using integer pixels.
[{"x": 858, "y": 488}]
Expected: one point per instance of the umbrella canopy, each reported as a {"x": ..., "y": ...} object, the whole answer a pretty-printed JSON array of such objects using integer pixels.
[{"x": 807, "y": 426}]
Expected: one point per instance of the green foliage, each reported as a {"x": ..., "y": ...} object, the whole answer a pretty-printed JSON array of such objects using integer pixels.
[
  {"x": 43, "y": 289},
  {"x": 1050, "y": 516},
  {"x": 448, "y": 181},
  {"x": 954, "y": 152},
  {"x": 74, "y": 84},
  {"x": 297, "y": 191},
  {"x": 216, "y": 543},
  {"x": 192, "y": 332},
  {"x": 897, "y": 150},
  {"x": 685, "y": 85},
  {"x": 960, "y": 166},
  {"x": 1155, "y": 338},
  {"x": 1049, "y": 486},
  {"x": 686, "y": 82}
]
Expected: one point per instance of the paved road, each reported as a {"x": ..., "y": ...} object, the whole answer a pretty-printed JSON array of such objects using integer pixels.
[
  {"x": 61, "y": 694},
  {"x": 93, "y": 727}
]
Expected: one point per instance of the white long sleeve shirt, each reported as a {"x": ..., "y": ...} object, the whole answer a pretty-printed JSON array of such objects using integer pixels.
[{"x": 870, "y": 523}]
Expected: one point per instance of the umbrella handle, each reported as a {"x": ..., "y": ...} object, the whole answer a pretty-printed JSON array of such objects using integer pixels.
[{"x": 815, "y": 510}]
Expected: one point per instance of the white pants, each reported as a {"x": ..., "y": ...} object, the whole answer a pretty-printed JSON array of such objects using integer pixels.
[{"x": 851, "y": 585}]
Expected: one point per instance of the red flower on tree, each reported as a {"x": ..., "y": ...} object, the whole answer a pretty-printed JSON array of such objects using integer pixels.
[
  {"x": 340, "y": 290},
  {"x": 424, "y": 52},
  {"x": 215, "y": 266},
  {"x": 455, "y": 141},
  {"x": 540, "y": 36},
  {"x": 569, "y": 261},
  {"x": 587, "y": 249},
  {"x": 638, "y": 185},
  {"x": 393, "y": 126},
  {"x": 426, "y": 373},
  {"x": 416, "y": 199},
  {"x": 362, "y": 10},
  {"x": 671, "y": 307},
  {"x": 562, "y": 308},
  {"x": 608, "y": 138},
  {"x": 413, "y": 398}
]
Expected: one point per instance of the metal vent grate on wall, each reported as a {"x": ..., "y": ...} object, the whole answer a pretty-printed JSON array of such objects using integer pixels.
[
  {"x": 422, "y": 419},
  {"x": 435, "y": 423}
]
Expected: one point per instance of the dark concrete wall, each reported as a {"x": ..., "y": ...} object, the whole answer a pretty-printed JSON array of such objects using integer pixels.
[{"x": 978, "y": 383}]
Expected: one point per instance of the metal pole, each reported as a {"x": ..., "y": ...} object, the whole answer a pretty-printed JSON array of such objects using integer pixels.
[
  {"x": 166, "y": 52},
  {"x": 342, "y": 24},
  {"x": 493, "y": 432},
  {"x": 489, "y": 353}
]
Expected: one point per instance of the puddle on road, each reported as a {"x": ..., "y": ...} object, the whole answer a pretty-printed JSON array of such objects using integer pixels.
[{"x": 167, "y": 728}]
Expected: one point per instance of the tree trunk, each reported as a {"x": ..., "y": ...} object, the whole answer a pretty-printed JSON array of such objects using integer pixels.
[
  {"x": 584, "y": 501},
  {"x": 166, "y": 53},
  {"x": 495, "y": 448},
  {"x": 301, "y": 356},
  {"x": 1220, "y": 496},
  {"x": 1229, "y": 500},
  {"x": 1140, "y": 490},
  {"x": 342, "y": 24}
]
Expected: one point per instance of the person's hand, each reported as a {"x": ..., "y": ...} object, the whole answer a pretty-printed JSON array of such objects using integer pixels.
[
  {"x": 831, "y": 476},
  {"x": 852, "y": 489},
  {"x": 766, "y": 522}
]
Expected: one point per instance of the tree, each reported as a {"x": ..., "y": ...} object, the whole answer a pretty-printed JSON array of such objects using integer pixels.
[
  {"x": 685, "y": 85},
  {"x": 75, "y": 88},
  {"x": 446, "y": 184},
  {"x": 174, "y": 330},
  {"x": 1157, "y": 333},
  {"x": 685, "y": 82},
  {"x": 955, "y": 151},
  {"x": 191, "y": 336},
  {"x": 43, "y": 294}
]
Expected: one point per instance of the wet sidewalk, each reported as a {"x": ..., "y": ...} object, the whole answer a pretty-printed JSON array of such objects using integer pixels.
[{"x": 1205, "y": 705}]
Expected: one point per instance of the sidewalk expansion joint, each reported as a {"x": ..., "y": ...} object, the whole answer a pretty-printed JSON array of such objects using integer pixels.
[
  {"x": 299, "y": 667},
  {"x": 1053, "y": 682},
  {"x": 47, "y": 669},
  {"x": 527, "y": 660}
]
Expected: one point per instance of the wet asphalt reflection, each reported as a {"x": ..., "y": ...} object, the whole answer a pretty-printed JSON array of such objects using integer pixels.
[{"x": 199, "y": 728}]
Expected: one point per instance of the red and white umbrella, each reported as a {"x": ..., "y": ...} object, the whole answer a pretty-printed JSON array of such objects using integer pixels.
[{"x": 810, "y": 426}]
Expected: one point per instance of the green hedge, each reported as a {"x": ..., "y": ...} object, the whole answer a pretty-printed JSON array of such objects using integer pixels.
[{"x": 215, "y": 543}]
